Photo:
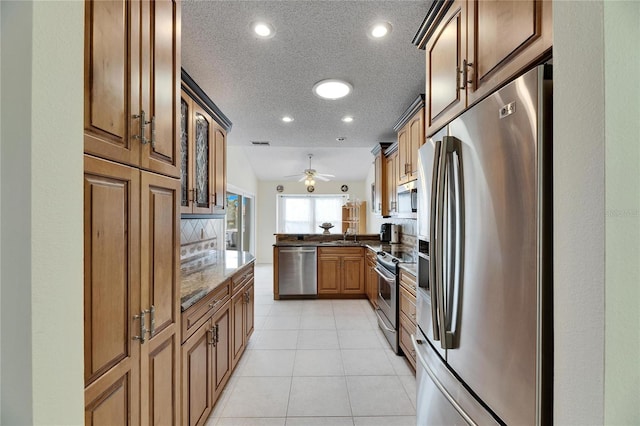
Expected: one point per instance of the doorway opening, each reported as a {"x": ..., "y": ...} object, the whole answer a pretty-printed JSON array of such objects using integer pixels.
[{"x": 239, "y": 227}]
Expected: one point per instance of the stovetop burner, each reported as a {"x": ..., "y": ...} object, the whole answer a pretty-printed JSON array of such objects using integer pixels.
[{"x": 391, "y": 258}]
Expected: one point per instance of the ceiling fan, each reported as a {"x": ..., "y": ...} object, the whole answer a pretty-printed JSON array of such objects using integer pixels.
[{"x": 310, "y": 175}]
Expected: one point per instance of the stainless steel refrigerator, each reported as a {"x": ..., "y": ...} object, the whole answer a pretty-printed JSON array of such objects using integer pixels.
[{"x": 484, "y": 304}]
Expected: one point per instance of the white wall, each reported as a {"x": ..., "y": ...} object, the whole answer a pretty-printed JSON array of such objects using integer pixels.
[
  {"x": 239, "y": 172},
  {"x": 266, "y": 208},
  {"x": 42, "y": 304},
  {"x": 578, "y": 212},
  {"x": 622, "y": 294}
]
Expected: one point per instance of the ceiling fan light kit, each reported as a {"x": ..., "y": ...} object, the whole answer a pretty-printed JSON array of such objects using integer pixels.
[{"x": 310, "y": 175}]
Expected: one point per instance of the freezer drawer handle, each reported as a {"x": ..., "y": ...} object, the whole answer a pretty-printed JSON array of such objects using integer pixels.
[{"x": 420, "y": 359}]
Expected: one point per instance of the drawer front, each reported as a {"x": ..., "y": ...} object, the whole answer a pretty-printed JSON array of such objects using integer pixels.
[
  {"x": 197, "y": 314},
  {"x": 340, "y": 251},
  {"x": 406, "y": 329},
  {"x": 408, "y": 281},
  {"x": 408, "y": 304},
  {"x": 371, "y": 255},
  {"x": 242, "y": 278}
]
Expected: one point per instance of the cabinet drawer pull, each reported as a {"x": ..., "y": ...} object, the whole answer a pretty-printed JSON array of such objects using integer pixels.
[{"x": 214, "y": 303}]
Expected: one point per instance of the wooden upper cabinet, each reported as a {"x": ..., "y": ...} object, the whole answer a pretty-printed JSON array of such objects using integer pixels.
[
  {"x": 410, "y": 128},
  {"x": 475, "y": 46},
  {"x": 392, "y": 181},
  {"x": 505, "y": 37},
  {"x": 111, "y": 292},
  {"x": 112, "y": 79},
  {"x": 379, "y": 184},
  {"x": 446, "y": 51},
  {"x": 220, "y": 169},
  {"x": 131, "y": 83},
  {"x": 160, "y": 82},
  {"x": 403, "y": 156},
  {"x": 203, "y": 153},
  {"x": 380, "y": 203},
  {"x": 416, "y": 140}
]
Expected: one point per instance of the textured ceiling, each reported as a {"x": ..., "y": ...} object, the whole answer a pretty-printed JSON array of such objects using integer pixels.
[{"x": 255, "y": 82}]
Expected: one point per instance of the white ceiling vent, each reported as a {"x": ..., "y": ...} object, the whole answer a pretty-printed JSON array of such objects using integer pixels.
[{"x": 261, "y": 143}]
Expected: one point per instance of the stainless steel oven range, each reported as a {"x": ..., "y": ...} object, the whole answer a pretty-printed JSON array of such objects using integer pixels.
[{"x": 388, "y": 283}]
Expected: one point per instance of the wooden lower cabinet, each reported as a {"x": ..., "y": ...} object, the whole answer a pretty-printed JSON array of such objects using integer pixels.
[
  {"x": 206, "y": 366},
  {"x": 341, "y": 271},
  {"x": 242, "y": 305},
  {"x": 131, "y": 321},
  {"x": 407, "y": 304},
  {"x": 406, "y": 329},
  {"x": 371, "y": 280},
  {"x": 237, "y": 308}
]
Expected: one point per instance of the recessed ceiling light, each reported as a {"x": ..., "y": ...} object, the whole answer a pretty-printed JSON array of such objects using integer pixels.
[
  {"x": 380, "y": 29},
  {"x": 347, "y": 119},
  {"x": 332, "y": 89},
  {"x": 287, "y": 119},
  {"x": 341, "y": 139},
  {"x": 263, "y": 29}
]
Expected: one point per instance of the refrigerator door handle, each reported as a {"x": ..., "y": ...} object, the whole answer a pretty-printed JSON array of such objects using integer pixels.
[
  {"x": 432, "y": 232},
  {"x": 453, "y": 148},
  {"x": 439, "y": 260},
  {"x": 423, "y": 364}
]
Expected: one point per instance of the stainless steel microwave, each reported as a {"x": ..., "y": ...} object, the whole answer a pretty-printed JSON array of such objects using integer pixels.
[{"x": 408, "y": 200}]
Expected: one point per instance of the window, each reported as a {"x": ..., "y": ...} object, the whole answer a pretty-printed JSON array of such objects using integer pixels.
[{"x": 303, "y": 214}]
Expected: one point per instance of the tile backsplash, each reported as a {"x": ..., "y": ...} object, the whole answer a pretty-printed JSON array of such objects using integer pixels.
[
  {"x": 193, "y": 230},
  {"x": 201, "y": 242}
]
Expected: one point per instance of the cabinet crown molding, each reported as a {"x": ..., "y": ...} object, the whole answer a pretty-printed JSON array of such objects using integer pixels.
[
  {"x": 205, "y": 101},
  {"x": 436, "y": 10},
  {"x": 380, "y": 146},
  {"x": 409, "y": 113}
]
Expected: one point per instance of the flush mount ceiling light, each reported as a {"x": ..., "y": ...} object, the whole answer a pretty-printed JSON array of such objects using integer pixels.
[
  {"x": 347, "y": 119},
  {"x": 379, "y": 30},
  {"x": 332, "y": 89},
  {"x": 287, "y": 119},
  {"x": 263, "y": 29}
]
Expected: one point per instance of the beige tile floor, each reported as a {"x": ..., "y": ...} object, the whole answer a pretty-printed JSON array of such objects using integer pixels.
[{"x": 316, "y": 362}]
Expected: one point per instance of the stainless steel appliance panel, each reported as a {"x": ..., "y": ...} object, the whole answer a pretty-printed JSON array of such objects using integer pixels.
[
  {"x": 489, "y": 281},
  {"x": 387, "y": 311},
  {"x": 441, "y": 398},
  {"x": 426, "y": 301},
  {"x": 297, "y": 271}
]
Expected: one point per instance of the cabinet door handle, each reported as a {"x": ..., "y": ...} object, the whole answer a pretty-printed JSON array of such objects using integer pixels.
[
  {"x": 462, "y": 73},
  {"x": 152, "y": 312},
  {"x": 143, "y": 122},
  {"x": 153, "y": 132},
  {"x": 143, "y": 330},
  {"x": 217, "y": 340},
  {"x": 212, "y": 335}
]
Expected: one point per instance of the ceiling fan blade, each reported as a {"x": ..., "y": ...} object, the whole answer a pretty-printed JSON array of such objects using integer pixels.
[
  {"x": 325, "y": 175},
  {"x": 292, "y": 176},
  {"x": 322, "y": 177}
]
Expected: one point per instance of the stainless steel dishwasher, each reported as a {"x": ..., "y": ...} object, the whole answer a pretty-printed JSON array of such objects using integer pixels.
[{"x": 297, "y": 268}]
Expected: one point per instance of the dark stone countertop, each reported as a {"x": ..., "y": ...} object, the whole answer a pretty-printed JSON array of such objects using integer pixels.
[{"x": 196, "y": 285}]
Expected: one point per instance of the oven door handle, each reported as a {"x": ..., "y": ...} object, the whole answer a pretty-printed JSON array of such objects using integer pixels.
[
  {"x": 382, "y": 323},
  {"x": 384, "y": 276}
]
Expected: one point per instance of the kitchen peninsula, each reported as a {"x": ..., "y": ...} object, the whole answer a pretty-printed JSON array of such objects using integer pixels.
[{"x": 217, "y": 303}]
